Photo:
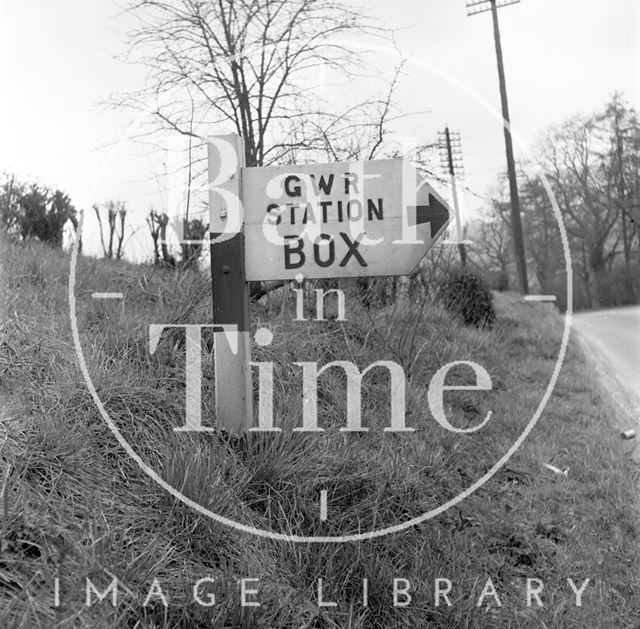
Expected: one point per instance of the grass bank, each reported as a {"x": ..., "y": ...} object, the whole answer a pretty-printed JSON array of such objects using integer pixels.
[{"x": 77, "y": 509}]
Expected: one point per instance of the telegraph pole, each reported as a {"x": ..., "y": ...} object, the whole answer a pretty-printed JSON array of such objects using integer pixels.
[
  {"x": 448, "y": 163},
  {"x": 473, "y": 8}
]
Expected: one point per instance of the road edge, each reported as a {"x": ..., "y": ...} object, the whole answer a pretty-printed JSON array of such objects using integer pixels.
[{"x": 627, "y": 403}]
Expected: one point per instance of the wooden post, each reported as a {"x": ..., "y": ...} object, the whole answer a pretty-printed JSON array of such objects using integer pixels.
[
  {"x": 516, "y": 222},
  {"x": 234, "y": 399}
]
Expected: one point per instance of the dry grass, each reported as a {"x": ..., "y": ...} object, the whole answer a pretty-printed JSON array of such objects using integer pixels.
[{"x": 76, "y": 507}]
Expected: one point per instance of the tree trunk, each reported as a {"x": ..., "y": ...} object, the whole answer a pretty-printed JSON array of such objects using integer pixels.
[{"x": 167, "y": 258}]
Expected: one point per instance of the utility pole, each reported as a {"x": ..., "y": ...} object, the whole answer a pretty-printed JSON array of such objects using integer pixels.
[
  {"x": 447, "y": 149},
  {"x": 473, "y": 8}
]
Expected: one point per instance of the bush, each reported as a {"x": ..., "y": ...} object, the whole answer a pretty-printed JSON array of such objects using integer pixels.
[
  {"x": 465, "y": 293},
  {"x": 497, "y": 280},
  {"x": 34, "y": 211}
]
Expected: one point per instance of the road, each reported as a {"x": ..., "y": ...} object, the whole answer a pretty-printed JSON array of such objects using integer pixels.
[{"x": 614, "y": 335}]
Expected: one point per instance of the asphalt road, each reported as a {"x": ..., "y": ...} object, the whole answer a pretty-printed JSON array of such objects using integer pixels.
[{"x": 615, "y": 336}]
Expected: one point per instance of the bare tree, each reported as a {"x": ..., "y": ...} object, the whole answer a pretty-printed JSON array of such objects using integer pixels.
[
  {"x": 250, "y": 64},
  {"x": 167, "y": 258},
  {"x": 621, "y": 129},
  {"x": 593, "y": 166},
  {"x": 153, "y": 222},
  {"x": 196, "y": 232},
  {"x": 492, "y": 246},
  {"x": 584, "y": 192},
  {"x": 496, "y": 244},
  {"x": 255, "y": 66},
  {"x": 116, "y": 214},
  {"x": 541, "y": 232}
]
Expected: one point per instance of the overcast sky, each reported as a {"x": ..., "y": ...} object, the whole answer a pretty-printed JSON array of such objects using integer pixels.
[{"x": 59, "y": 60}]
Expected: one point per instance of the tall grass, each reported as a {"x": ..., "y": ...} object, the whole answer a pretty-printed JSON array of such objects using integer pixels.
[{"x": 76, "y": 507}]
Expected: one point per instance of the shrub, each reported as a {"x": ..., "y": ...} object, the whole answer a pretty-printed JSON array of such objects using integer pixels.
[
  {"x": 465, "y": 293},
  {"x": 34, "y": 211},
  {"x": 497, "y": 280}
]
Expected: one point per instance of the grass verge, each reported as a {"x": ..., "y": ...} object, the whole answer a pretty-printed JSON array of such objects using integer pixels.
[{"x": 77, "y": 509}]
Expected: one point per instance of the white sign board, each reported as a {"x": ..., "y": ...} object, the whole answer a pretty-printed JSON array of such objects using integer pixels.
[{"x": 351, "y": 219}]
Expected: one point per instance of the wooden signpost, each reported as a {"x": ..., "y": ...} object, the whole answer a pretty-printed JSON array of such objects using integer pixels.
[
  {"x": 351, "y": 219},
  {"x": 234, "y": 400}
]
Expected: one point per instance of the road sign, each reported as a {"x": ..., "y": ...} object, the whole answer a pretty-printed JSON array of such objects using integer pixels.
[
  {"x": 351, "y": 219},
  {"x": 346, "y": 219}
]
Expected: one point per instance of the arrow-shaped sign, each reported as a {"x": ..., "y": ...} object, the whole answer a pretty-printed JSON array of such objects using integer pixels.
[
  {"x": 435, "y": 213},
  {"x": 346, "y": 219}
]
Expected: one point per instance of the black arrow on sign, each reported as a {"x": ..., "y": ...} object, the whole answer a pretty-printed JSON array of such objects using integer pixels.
[{"x": 436, "y": 214}]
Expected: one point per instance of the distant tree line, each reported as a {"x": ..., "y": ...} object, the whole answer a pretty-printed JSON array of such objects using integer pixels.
[
  {"x": 30, "y": 210},
  {"x": 592, "y": 165}
]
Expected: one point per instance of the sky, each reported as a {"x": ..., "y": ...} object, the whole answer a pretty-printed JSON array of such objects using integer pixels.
[{"x": 59, "y": 62}]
